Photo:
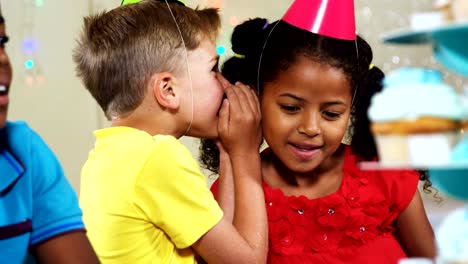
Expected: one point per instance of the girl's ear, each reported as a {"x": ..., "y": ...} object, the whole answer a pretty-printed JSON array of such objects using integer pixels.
[{"x": 164, "y": 90}]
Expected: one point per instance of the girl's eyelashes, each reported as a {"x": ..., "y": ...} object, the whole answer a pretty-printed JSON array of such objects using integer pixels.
[
  {"x": 331, "y": 115},
  {"x": 290, "y": 108}
]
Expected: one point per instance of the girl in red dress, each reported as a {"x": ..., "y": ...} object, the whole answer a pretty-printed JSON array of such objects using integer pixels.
[{"x": 321, "y": 207}]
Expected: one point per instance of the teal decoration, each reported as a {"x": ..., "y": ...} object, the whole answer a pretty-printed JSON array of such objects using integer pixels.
[
  {"x": 451, "y": 181},
  {"x": 448, "y": 43},
  {"x": 29, "y": 64},
  {"x": 450, "y": 48},
  {"x": 220, "y": 50}
]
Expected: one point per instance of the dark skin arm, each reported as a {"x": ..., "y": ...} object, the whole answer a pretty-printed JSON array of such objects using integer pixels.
[
  {"x": 415, "y": 231},
  {"x": 69, "y": 248}
]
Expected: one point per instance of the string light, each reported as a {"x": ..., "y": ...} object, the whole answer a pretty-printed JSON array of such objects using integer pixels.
[
  {"x": 216, "y": 4},
  {"x": 233, "y": 21},
  {"x": 29, "y": 46},
  {"x": 39, "y": 3},
  {"x": 33, "y": 74},
  {"x": 220, "y": 50},
  {"x": 29, "y": 64}
]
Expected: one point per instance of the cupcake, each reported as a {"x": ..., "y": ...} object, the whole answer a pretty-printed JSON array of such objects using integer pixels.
[
  {"x": 464, "y": 119},
  {"x": 445, "y": 8},
  {"x": 460, "y": 10},
  {"x": 459, "y": 155},
  {"x": 415, "y": 118}
]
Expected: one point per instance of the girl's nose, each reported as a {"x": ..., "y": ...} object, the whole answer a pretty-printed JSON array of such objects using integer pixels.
[{"x": 309, "y": 125}]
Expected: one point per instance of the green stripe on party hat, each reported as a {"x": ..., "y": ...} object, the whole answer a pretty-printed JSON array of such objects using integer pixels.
[{"x": 126, "y": 2}]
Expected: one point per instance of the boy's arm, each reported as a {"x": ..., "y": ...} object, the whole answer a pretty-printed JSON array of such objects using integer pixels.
[
  {"x": 225, "y": 190},
  {"x": 68, "y": 248},
  {"x": 246, "y": 240}
]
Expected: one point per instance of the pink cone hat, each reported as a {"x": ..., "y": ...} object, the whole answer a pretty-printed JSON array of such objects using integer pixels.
[{"x": 331, "y": 18}]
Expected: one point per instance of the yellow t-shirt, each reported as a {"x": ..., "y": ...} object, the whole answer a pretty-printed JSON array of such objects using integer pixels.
[{"x": 144, "y": 198}]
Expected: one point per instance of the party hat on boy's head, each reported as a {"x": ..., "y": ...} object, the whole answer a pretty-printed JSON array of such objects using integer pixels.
[
  {"x": 331, "y": 18},
  {"x": 124, "y": 2}
]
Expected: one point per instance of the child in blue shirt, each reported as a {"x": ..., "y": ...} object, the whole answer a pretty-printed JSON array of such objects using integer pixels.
[{"x": 39, "y": 215}]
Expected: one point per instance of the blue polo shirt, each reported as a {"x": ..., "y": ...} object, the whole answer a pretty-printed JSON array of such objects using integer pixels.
[{"x": 36, "y": 200}]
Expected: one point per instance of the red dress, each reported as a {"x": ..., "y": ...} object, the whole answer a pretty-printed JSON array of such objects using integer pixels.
[{"x": 356, "y": 224}]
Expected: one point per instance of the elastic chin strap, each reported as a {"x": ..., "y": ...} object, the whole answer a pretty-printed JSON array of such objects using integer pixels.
[
  {"x": 187, "y": 63},
  {"x": 261, "y": 56},
  {"x": 357, "y": 61},
  {"x": 180, "y": 2}
]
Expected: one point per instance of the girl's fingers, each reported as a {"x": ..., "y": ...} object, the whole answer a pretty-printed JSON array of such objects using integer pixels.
[
  {"x": 253, "y": 101},
  {"x": 224, "y": 83},
  {"x": 223, "y": 121},
  {"x": 257, "y": 102},
  {"x": 235, "y": 103},
  {"x": 250, "y": 98}
]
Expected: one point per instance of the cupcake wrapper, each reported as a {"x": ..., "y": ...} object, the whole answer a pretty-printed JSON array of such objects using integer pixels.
[{"x": 416, "y": 150}]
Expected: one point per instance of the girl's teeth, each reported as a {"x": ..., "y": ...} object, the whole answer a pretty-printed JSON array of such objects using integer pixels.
[
  {"x": 304, "y": 148},
  {"x": 2, "y": 88}
]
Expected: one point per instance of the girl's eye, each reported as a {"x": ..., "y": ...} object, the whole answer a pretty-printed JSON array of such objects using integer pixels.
[
  {"x": 3, "y": 41},
  {"x": 331, "y": 115},
  {"x": 290, "y": 108}
]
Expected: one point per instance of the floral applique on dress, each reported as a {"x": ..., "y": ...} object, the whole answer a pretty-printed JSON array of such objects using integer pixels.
[{"x": 338, "y": 225}]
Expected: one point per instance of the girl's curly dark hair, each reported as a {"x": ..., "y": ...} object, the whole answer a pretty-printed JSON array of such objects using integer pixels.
[{"x": 285, "y": 45}]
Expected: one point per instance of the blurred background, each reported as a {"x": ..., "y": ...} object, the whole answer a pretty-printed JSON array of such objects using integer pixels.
[{"x": 47, "y": 94}]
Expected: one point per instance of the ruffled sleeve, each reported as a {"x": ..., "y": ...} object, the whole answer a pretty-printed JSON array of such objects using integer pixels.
[
  {"x": 402, "y": 185},
  {"x": 395, "y": 186},
  {"x": 214, "y": 189}
]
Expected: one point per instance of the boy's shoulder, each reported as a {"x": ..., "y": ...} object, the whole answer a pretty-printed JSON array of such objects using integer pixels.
[
  {"x": 18, "y": 135},
  {"x": 140, "y": 144},
  {"x": 171, "y": 146},
  {"x": 17, "y": 127}
]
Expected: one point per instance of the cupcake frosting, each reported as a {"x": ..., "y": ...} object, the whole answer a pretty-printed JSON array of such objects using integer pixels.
[
  {"x": 465, "y": 108},
  {"x": 460, "y": 152},
  {"x": 410, "y": 93}
]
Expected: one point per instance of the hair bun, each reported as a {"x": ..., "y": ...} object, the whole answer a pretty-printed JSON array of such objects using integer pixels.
[{"x": 246, "y": 35}]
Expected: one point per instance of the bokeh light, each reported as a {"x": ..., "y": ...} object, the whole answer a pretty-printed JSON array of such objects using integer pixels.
[
  {"x": 29, "y": 81},
  {"x": 39, "y": 3},
  {"x": 216, "y": 4},
  {"x": 29, "y": 64},
  {"x": 221, "y": 50},
  {"x": 233, "y": 21},
  {"x": 29, "y": 46}
]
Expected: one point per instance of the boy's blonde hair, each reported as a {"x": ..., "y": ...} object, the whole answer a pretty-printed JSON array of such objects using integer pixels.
[{"x": 119, "y": 50}]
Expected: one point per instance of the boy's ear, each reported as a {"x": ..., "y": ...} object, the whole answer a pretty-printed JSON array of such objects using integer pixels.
[{"x": 164, "y": 90}]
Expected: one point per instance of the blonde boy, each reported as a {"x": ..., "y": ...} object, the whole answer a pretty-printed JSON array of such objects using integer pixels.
[{"x": 142, "y": 194}]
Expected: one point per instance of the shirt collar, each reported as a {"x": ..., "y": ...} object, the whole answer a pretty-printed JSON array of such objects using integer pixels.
[{"x": 11, "y": 169}]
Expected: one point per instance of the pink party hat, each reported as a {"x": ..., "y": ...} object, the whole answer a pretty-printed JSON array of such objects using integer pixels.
[{"x": 331, "y": 18}]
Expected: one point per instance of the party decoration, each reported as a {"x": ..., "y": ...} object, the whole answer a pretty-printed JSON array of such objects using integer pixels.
[{"x": 331, "y": 18}]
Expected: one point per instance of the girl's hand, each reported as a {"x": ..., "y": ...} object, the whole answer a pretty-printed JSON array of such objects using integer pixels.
[{"x": 239, "y": 124}]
